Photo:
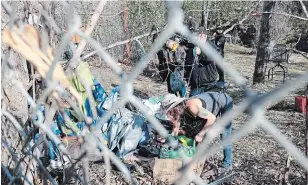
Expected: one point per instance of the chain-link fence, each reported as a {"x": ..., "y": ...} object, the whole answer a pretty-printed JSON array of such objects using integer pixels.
[{"x": 25, "y": 159}]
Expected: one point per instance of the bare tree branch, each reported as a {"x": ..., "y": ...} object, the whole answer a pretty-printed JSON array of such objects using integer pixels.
[
  {"x": 76, "y": 58},
  {"x": 118, "y": 44},
  {"x": 240, "y": 22},
  {"x": 304, "y": 7},
  {"x": 285, "y": 14}
]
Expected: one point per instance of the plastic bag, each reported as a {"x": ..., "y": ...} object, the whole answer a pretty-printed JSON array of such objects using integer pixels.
[
  {"x": 152, "y": 108},
  {"x": 166, "y": 152},
  {"x": 156, "y": 100},
  {"x": 136, "y": 133},
  {"x": 111, "y": 99}
]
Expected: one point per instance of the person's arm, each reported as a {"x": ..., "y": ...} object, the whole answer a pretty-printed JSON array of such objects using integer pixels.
[
  {"x": 209, "y": 120},
  {"x": 175, "y": 130},
  {"x": 195, "y": 107}
]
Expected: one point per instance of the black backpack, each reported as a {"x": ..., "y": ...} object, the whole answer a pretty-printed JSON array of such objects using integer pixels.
[{"x": 207, "y": 71}]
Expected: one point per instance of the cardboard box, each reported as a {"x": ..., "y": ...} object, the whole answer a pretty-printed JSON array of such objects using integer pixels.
[{"x": 166, "y": 170}]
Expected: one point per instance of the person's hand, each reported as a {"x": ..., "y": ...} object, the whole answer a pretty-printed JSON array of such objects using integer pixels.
[
  {"x": 199, "y": 138},
  {"x": 182, "y": 132},
  {"x": 202, "y": 37},
  {"x": 198, "y": 51},
  {"x": 160, "y": 139}
]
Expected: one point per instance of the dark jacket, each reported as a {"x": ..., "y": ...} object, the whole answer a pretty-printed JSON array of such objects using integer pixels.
[
  {"x": 163, "y": 66},
  {"x": 176, "y": 59},
  {"x": 206, "y": 72},
  {"x": 169, "y": 61},
  {"x": 220, "y": 41}
]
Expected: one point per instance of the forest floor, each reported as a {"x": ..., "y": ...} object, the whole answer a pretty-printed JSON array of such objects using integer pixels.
[{"x": 258, "y": 156}]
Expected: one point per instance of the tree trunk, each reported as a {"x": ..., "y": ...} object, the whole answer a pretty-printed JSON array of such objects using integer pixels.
[{"x": 259, "y": 73}]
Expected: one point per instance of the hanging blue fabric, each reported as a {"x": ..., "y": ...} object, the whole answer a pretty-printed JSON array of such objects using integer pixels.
[
  {"x": 99, "y": 110},
  {"x": 51, "y": 150},
  {"x": 99, "y": 93}
]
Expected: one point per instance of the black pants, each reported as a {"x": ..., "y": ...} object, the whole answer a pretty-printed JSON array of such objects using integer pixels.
[
  {"x": 221, "y": 74},
  {"x": 220, "y": 71}
]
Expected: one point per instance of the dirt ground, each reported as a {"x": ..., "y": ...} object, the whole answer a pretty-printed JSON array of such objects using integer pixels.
[{"x": 259, "y": 158}]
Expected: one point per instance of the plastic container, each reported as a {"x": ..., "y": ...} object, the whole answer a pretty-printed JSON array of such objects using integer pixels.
[{"x": 300, "y": 104}]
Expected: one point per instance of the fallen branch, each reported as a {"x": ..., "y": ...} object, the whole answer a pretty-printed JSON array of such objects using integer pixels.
[
  {"x": 301, "y": 53},
  {"x": 76, "y": 58}
]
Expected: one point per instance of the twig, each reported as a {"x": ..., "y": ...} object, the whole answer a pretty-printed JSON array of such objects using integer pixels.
[
  {"x": 6, "y": 95},
  {"x": 285, "y": 14},
  {"x": 33, "y": 83},
  {"x": 118, "y": 44},
  {"x": 240, "y": 22},
  {"x": 286, "y": 175},
  {"x": 304, "y": 7},
  {"x": 75, "y": 60},
  {"x": 107, "y": 166},
  {"x": 85, "y": 165},
  {"x": 102, "y": 15},
  {"x": 50, "y": 20},
  {"x": 301, "y": 53},
  {"x": 14, "y": 122},
  {"x": 247, "y": 16}
]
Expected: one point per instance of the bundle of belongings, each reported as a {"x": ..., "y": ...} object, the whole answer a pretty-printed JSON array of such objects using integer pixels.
[
  {"x": 127, "y": 132},
  {"x": 122, "y": 133}
]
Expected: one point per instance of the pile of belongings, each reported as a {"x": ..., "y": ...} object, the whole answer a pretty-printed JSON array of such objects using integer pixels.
[
  {"x": 122, "y": 133},
  {"x": 126, "y": 132}
]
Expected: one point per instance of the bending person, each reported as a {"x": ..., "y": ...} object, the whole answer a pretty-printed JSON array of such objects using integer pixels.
[{"x": 193, "y": 118}]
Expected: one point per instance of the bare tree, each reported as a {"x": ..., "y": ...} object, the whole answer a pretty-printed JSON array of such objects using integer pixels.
[
  {"x": 205, "y": 14},
  {"x": 259, "y": 72}
]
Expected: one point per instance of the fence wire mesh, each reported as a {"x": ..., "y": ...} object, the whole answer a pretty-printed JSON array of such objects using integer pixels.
[{"x": 26, "y": 158}]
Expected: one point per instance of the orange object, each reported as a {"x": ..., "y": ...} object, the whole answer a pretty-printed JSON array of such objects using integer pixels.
[
  {"x": 77, "y": 38},
  {"x": 300, "y": 104}
]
